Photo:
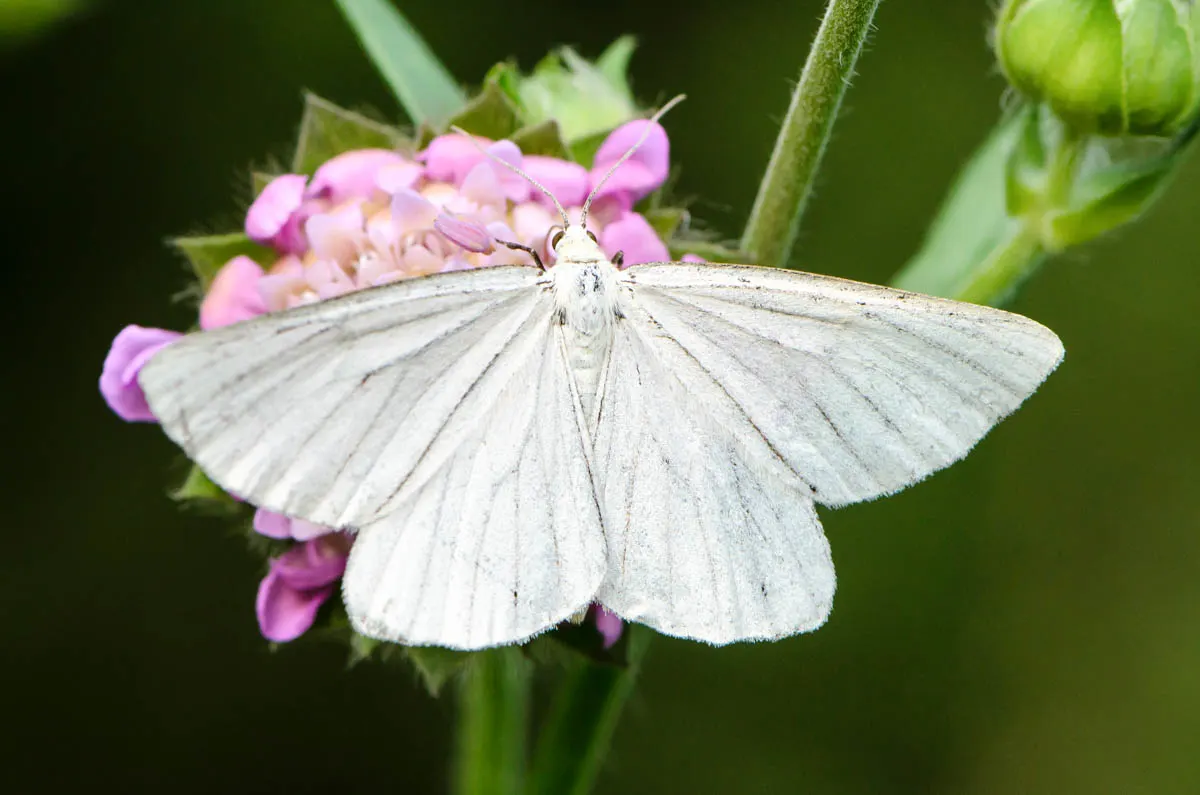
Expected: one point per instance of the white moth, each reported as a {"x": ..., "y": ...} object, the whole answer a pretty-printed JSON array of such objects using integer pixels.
[{"x": 511, "y": 444}]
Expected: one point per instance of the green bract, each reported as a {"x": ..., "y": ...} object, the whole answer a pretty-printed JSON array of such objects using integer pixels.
[
  {"x": 1106, "y": 66},
  {"x": 586, "y": 98}
]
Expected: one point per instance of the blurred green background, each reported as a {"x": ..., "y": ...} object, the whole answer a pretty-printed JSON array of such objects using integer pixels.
[{"x": 1025, "y": 622}]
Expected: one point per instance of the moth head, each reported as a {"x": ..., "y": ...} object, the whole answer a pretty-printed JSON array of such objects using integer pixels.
[
  {"x": 577, "y": 239},
  {"x": 575, "y": 242}
]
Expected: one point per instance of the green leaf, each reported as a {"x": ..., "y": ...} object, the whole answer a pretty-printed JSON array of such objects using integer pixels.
[
  {"x": 972, "y": 220},
  {"x": 424, "y": 88},
  {"x": 208, "y": 253},
  {"x": 490, "y": 114},
  {"x": 542, "y": 139},
  {"x": 436, "y": 665},
  {"x": 327, "y": 131}
]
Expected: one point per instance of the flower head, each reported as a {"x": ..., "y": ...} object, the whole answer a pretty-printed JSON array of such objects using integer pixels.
[{"x": 369, "y": 217}]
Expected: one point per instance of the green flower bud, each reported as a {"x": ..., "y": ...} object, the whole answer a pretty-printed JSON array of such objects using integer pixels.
[{"x": 1106, "y": 66}]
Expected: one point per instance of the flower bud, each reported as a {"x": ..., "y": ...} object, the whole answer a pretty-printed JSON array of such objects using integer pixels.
[{"x": 1105, "y": 66}]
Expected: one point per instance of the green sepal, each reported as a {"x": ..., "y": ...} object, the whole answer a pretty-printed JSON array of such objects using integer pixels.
[
  {"x": 437, "y": 666},
  {"x": 584, "y": 98},
  {"x": 708, "y": 251},
  {"x": 582, "y": 639},
  {"x": 1025, "y": 169},
  {"x": 490, "y": 114},
  {"x": 1108, "y": 198},
  {"x": 207, "y": 254},
  {"x": 667, "y": 221},
  {"x": 613, "y": 63},
  {"x": 583, "y": 150},
  {"x": 363, "y": 649},
  {"x": 198, "y": 488},
  {"x": 507, "y": 77},
  {"x": 327, "y": 130},
  {"x": 542, "y": 139},
  {"x": 260, "y": 180}
]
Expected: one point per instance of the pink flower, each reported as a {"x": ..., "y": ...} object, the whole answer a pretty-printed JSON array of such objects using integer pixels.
[
  {"x": 233, "y": 295},
  {"x": 298, "y": 583},
  {"x": 640, "y": 175},
  {"x": 353, "y": 175},
  {"x": 569, "y": 182},
  {"x": 276, "y": 525},
  {"x": 608, "y": 624},
  {"x": 632, "y": 234},
  {"x": 372, "y": 216},
  {"x": 130, "y": 351},
  {"x": 276, "y": 218}
]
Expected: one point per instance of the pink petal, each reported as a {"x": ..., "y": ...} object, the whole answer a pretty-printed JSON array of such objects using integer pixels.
[
  {"x": 314, "y": 563},
  {"x": 337, "y": 234},
  {"x": 692, "y": 258},
  {"x": 276, "y": 218},
  {"x": 420, "y": 261},
  {"x": 569, "y": 182},
  {"x": 276, "y": 525},
  {"x": 233, "y": 295},
  {"x": 411, "y": 211},
  {"x": 285, "y": 613},
  {"x": 352, "y": 175},
  {"x": 641, "y": 174},
  {"x": 306, "y": 531},
  {"x": 608, "y": 624},
  {"x": 464, "y": 232},
  {"x": 449, "y": 158},
  {"x": 398, "y": 176},
  {"x": 130, "y": 351},
  {"x": 515, "y": 187},
  {"x": 531, "y": 223},
  {"x": 482, "y": 185},
  {"x": 272, "y": 524},
  {"x": 633, "y": 235}
]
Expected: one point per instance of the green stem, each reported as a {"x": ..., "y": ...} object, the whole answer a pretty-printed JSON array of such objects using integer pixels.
[
  {"x": 1006, "y": 266},
  {"x": 492, "y": 724},
  {"x": 578, "y": 730},
  {"x": 775, "y": 219}
]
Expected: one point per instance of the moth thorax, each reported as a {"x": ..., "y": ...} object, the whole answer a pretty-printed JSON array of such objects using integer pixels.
[{"x": 585, "y": 293}]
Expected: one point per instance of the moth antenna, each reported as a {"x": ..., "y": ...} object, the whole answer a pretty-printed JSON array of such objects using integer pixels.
[
  {"x": 515, "y": 170},
  {"x": 628, "y": 154}
]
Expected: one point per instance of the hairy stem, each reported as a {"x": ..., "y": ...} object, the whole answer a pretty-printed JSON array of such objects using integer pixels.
[{"x": 775, "y": 220}]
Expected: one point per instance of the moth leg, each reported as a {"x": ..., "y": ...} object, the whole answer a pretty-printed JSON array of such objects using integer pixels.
[
  {"x": 618, "y": 259},
  {"x": 521, "y": 247}
]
